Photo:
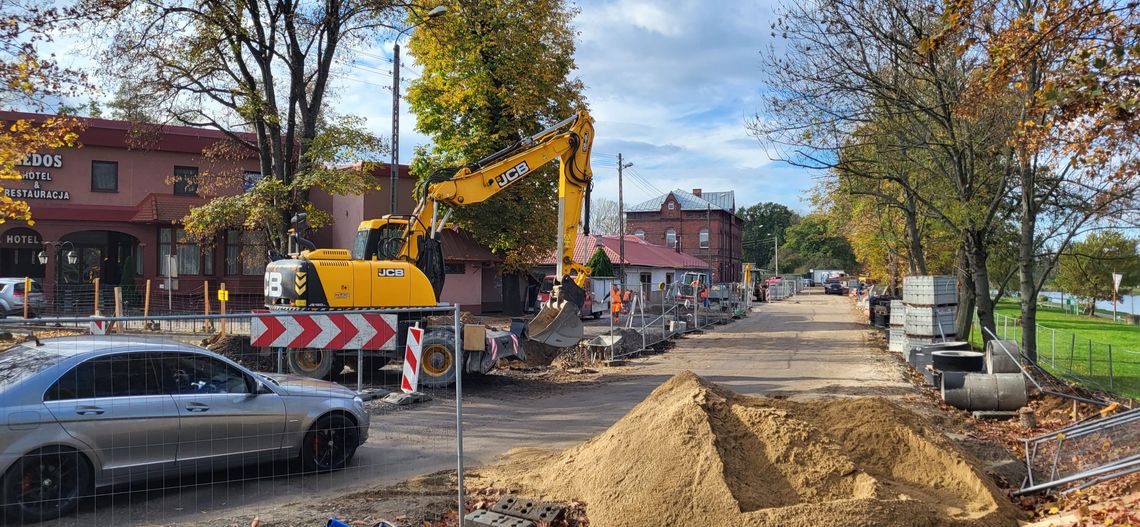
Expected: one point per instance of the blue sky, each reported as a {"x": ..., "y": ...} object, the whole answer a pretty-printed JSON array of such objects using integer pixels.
[{"x": 670, "y": 84}]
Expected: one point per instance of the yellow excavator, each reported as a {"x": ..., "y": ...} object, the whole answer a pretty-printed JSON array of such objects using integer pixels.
[{"x": 397, "y": 261}]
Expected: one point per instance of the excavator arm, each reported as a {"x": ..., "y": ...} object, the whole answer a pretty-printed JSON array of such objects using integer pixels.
[{"x": 569, "y": 142}]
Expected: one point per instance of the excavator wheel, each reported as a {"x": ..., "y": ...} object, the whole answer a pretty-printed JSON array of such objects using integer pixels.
[
  {"x": 437, "y": 361},
  {"x": 314, "y": 363}
]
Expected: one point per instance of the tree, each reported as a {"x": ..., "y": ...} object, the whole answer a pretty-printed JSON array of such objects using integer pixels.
[
  {"x": 760, "y": 223},
  {"x": 600, "y": 264},
  {"x": 1086, "y": 268},
  {"x": 28, "y": 80},
  {"x": 493, "y": 72},
  {"x": 814, "y": 246},
  {"x": 260, "y": 72},
  {"x": 604, "y": 217}
]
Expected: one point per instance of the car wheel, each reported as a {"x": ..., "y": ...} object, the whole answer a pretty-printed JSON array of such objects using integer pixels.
[
  {"x": 437, "y": 362},
  {"x": 45, "y": 484},
  {"x": 314, "y": 363},
  {"x": 329, "y": 444}
]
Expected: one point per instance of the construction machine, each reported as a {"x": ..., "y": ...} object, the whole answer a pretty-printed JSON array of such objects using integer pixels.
[{"x": 397, "y": 261}]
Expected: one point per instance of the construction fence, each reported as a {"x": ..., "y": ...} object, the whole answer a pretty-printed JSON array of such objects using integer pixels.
[
  {"x": 162, "y": 434},
  {"x": 655, "y": 315},
  {"x": 1097, "y": 365}
]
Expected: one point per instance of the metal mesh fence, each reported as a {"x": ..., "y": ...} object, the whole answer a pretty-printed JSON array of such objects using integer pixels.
[
  {"x": 180, "y": 420},
  {"x": 1084, "y": 453},
  {"x": 1067, "y": 354}
]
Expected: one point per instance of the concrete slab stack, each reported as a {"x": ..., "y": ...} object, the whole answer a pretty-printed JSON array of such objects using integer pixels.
[
  {"x": 931, "y": 305},
  {"x": 897, "y": 340}
]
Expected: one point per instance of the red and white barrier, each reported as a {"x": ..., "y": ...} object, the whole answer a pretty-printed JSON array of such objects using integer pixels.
[
  {"x": 412, "y": 353},
  {"x": 348, "y": 331},
  {"x": 99, "y": 327}
]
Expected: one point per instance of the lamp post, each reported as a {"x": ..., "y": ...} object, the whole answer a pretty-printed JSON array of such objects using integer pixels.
[
  {"x": 72, "y": 259},
  {"x": 438, "y": 11}
]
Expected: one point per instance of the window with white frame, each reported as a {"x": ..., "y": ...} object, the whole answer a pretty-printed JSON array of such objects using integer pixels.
[
  {"x": 639, "y": 233},
  {"x": 704, "y": 238},
  {"x": 670, "y": 237}
]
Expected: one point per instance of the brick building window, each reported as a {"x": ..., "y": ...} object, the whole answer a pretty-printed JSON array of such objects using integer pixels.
[
  {"x": 672, "y": 205},
  {"x": 186, "y": 181},
  {"x": 670, "y": 237},
  {"x": 639, "y": 233},
  {"x": 245, "y": 253},
  {"x": 191, "y": 258},
  {"x": 104, "y": 176},
  {"x": 704, "y": 238}
]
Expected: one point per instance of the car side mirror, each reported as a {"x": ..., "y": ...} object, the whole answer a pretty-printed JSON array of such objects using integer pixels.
[{"x": 259, "y": 387}]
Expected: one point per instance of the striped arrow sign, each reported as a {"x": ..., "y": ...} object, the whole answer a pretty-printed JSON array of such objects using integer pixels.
[{"x": 342, "y": 331}]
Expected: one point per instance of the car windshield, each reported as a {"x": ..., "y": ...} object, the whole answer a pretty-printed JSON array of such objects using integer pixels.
[{"x": 21, "y": 362}]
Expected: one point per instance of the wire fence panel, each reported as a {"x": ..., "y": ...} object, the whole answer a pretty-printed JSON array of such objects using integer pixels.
[
  {"x": 178, "y": 418},
  {"x": 1067, "y": 354}
]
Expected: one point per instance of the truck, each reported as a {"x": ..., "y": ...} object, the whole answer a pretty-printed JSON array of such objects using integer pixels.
[{"x": 820, "y": 276}]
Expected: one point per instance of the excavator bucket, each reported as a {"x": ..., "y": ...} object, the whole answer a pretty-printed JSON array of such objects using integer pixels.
[{"x": 559, "y": 322}]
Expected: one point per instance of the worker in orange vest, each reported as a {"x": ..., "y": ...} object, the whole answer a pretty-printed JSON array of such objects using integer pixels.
[
  {"x": 627, "y": 300},
  {"x": 705, "y": 296},
  {"x": 615, "y": 303}
]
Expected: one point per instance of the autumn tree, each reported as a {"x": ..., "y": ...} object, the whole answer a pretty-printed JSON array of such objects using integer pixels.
[
  {"x": 28, "y": 80},
  {"x": 495, "y": 71},
  {"x": 812, "y": 244},
  {"x": 262, "y": 73}
]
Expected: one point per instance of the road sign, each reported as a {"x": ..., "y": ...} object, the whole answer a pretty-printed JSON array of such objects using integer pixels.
[
  {"x": 223, "y": 295},
  {"x": 98, "y": 327},
  {"x": 412, "y": 353},
  {"x": 1116, "y": 281},
  {"x": 348, "y": 331}
]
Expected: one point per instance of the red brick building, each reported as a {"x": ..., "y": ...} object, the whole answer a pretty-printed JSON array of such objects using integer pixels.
[{"x": 703, "y": 224}]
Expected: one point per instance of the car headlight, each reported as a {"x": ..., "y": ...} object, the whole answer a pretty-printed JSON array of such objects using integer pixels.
[{"x": 358, "y": 401}]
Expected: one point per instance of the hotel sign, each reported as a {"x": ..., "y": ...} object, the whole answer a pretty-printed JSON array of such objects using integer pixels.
[
  {"x": 22, "y": 237},
  {"x": 39, "y": 178}
]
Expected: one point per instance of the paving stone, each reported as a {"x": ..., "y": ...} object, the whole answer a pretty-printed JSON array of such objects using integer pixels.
[
  {"x": 483, "y": 518},
  {"x": 402, "y": 399},
  {"x": 542, "y": 512}
]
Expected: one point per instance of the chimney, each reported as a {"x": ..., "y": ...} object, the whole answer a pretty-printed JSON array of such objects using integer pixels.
[{"x": 697, "y": 192}]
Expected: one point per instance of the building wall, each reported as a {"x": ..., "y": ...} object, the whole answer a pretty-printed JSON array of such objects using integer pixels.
[
  {"x": 349, "y": 211},
  {"x": 724, "y": 251},
  {"x": 465, "y": 289}
]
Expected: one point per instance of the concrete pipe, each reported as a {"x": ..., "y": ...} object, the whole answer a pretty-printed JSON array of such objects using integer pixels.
[
  {"x": 952, "y": 360},
  {"x": 953, "y": 345},
  {"x": 998, "y": 361},
  {"x": 984, "y": 391}
]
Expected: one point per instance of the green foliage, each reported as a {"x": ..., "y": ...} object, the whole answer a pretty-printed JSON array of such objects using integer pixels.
[
  {"x": 600, "y": 264},
  {"x": 812, "y": 245},
  {"x": 761, "y": 222},
  {"x": 1086, "y": 268},
  {"x": 492, "y": 72}
]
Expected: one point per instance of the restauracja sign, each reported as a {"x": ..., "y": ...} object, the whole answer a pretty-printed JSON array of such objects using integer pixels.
[{"x": 38, "y": 177}]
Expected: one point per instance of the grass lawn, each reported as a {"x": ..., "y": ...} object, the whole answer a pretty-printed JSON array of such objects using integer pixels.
[{"x": 1080, "y": 346}]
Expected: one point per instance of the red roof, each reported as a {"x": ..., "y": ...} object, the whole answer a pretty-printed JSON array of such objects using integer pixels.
[
  {"x": 638, "y": 252},
  {"x": 165, "y": 208}
]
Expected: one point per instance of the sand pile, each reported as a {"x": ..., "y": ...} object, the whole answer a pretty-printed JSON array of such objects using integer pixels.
[{"x": 694, "y": 453}]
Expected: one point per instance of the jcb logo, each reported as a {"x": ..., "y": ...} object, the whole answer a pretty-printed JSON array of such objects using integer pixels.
[
  {"x": 389, "y": 273},
  {"x": 508, "y": 177}
]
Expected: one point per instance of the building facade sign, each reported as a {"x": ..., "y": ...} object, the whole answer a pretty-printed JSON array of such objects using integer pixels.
[
  {"x": 39, "y": 178},
  {"x": 22, "y": 237}
]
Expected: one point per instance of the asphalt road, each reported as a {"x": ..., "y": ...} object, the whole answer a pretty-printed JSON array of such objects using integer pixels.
[{"x": 811, "y": 346}]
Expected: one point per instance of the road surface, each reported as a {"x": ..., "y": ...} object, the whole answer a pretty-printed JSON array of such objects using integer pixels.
[{"x": 811, "y": 346}]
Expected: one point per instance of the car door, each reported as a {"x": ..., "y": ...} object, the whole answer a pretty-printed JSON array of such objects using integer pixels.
[
  {"x": 113, "y": 403},
  {"x": 222, "y": 420}
]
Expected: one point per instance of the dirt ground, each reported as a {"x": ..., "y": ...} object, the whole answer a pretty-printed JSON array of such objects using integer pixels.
[{"x": 805, "y": 349}]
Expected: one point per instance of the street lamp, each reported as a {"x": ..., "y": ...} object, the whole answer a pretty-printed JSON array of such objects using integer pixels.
[
  {"x": 72, "y": 259},
  {"x": 437, "y": 12}
]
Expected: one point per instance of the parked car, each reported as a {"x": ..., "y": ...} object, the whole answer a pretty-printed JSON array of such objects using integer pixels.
[
  {"x": 834, "y": 288},
  {"x": 89, "y": 412},
  {"x": 13, "y": 296}
]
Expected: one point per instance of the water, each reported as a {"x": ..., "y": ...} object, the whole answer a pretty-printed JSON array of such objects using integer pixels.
[{"x": 1125, "y": 305}]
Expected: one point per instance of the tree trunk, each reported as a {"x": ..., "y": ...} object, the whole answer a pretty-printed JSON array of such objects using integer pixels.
[
  {"x": 914, "y": 238},
  {"x": 978, "y": 256},
  {"x": 964, "y": 321},
  {"x": 1026, "y": 264}
]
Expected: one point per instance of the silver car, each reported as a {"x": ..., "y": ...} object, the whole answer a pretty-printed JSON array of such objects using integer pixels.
[
  {"x": 13, "y": 296},
  {"x": 82, "y": 413}
]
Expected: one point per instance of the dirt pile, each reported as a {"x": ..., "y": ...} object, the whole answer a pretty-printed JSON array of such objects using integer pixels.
[{"x": 694, "y": 453}]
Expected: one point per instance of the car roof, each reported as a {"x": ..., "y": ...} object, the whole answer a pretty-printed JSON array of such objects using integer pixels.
[{"x": 63, "y": 347}]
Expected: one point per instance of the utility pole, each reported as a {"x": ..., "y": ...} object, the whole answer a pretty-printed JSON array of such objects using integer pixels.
[
  {"x": 777, "y": 258},
  {"x": 708, "y": 248},
  {"x": 395, "y": 165},
  {"x": 621, "y": 225}
]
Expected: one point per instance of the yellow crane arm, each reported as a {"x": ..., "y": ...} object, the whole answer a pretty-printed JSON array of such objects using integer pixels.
[{"x": 568, "y": 141}]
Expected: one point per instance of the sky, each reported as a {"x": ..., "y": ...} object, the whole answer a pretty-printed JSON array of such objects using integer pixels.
[{"x": 670, "y": 85}]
